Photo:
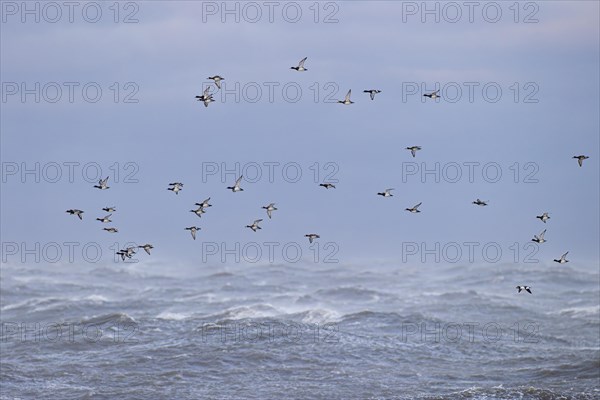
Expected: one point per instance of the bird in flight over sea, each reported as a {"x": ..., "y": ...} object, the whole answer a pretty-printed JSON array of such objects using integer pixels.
[
  {"x": 527, "y": 288},
  {"x": 111, "y": 230},
  {"x": 102, "y": 184},
  {"x": 146, "y": 247},
  {"x": 76, "y": 212},
  {"x": 236, "y": 187},
  {"x": 312, "y": 236},
  {"x": 372, "y": 93},
  {"x": 580, "y": 159},
  {"x": 105, "y": 219},
  {"x": 177, "y": 187},
  {"x": 204, "y": 204},
  {"x": 413, "y": 150},
  {"x": 193, "y": 230},
  {"x": 270, "y": 208},
  {"x": 346, "y": 100},
  {"x": 109, "y": 209},
  {"x": 254, "y": 225},
  {"x": 544, "y": 217},
  {"x": 300, "y": 66},
  {"x": 415, "y": 209},
  {"x": 217, "y": 80},
  {"x": 432, "y": 95},
  {"x": 327, "y": 185},
  {"x": 539, "y": 238},
  {"x": 481, "y": 202},
  {"x": 386, "y": 193},
  {"x": 563, "y": 259}
]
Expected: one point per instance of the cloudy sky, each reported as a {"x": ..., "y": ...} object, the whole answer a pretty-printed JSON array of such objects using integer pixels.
[{"x": 100, "y": 90}]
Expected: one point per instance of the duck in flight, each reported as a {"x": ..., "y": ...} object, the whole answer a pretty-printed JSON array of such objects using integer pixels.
[
  {"x": 109, "y": 209},
  {"x": 413, "y": 150},
  {"x": 527, "y": 288},
  {"x": 199, "y": 211},
  {"x": 193, "y": 230},
  {"x": 254, "y": 225},
  {"x": 327, "y": 185},
  {"x": 372, "y": 93},
  {"x": 481, "y": 203},
  {"x": 217, "y": 79},
  {"x": 539, "y": 238},
  {"x": 580, "y": 159},
  {"x": 300, "y": 66},
  {"x": 236, "y": 187},
  {"x": 346, "y": 100},
  {"x": 563, "y": 259},
  {"x": 204, "y": 204},
  {"x": 76, "y": 212},
  {"x": 312, "y": 236},
  {"x": 105, "y": 219},
  {"x": 146, "y": 247},
  {"x": 111, "y": 230},
  {"x": 270, "y": 208},
  {"x": 544, "y": 217},
  {"x": 177, "y": 187},
  {"x": 432, "y": 95},
  {"x": 102, "y": 184},
  {"x": 386, "y": 193},
  {"x": 415, "y": 209},
  {"x": 128, "y": 252}
]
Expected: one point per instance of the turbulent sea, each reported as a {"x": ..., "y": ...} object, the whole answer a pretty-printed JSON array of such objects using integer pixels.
[{"x": 299, "y": 331}]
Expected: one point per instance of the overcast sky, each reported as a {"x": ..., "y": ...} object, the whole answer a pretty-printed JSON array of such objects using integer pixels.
[{"x": 520, "y": 97}]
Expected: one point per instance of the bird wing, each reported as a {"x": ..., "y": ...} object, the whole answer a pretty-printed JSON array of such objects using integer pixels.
[
  {"x": 348, "y": 95},
  {"x": 301, "y": 63}
]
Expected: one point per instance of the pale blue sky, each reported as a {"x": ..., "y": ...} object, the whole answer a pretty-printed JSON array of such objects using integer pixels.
[{"x": 170, "y": 53}]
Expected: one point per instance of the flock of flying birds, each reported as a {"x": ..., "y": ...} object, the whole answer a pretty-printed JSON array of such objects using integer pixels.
[{"x": 176, "y": 187}]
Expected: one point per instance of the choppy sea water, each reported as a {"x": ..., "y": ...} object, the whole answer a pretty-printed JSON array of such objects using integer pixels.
[{"x": 343, "y": 331}]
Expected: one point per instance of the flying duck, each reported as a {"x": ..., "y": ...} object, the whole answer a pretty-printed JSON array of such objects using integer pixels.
[
  {"x": 580, "y": 159},
  {"x": 270, "y": 208},
  {"x": 111, "y": 230},
  {"x": 544, "y": 217},
  {"x": 254, "y": 225},
  {"x": 480, "y": 202},
  {"x": 75, "y": 212},
  {"x": 563, "y": 259},
  {"x": 386, "y": 193},
  {"x": 177, "y": 187},
  {"x": 105, "y": 219},
  {"x": 109, "y": 209},
  {"x": 102, "y": 184},
  {"x": 199, "y": 211},
  {"x": 217, "y": 80},
  {"x": 433, "y": 95},
  {"x": 414, "y": 209},
  {"x": 300, "y": 66},
  {"x": 413, "y": 149},
  {"x": 372, "y": 93},
  {"x": 539, "y": 238},
  {"x": 346, "y": 100},
  {"x": 146, "y": 247},
  {"x": 312, "y": 236},
  {"x": 327, "y": 185},
  {"x": 204, "y": 204},
  {"x": 524, "y": 288},
  {"x": 193, "y": 230},
  {"x": 236, "y": 187}
]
